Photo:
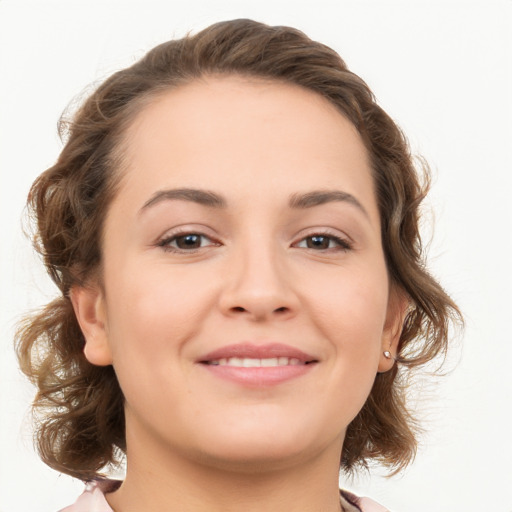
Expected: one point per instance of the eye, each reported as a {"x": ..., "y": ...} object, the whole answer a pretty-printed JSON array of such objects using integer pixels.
[
  {"x": 323, "y": 242},
  {"x": 185, "y": 242}
]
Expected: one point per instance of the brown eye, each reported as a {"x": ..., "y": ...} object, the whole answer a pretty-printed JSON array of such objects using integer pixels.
[
  {"x": 186, "y": 242},
  {"x": 190, "y": 241},
  {"x": 325, "y": 242},
  {"x": 318, "y": 242}
]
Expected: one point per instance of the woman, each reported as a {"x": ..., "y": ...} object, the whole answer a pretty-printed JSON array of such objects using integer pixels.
[{"x": 233, "y": 225}]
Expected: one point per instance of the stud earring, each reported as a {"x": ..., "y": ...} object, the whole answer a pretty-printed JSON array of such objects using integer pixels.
[{"x": 387, "y": 354}]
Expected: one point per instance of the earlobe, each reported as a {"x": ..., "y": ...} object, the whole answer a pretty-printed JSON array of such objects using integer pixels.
[
  {"x": 89, "y": 305},
  {"x": 398, "y": 306}
]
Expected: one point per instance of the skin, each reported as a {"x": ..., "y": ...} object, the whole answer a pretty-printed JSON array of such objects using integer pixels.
[{"x": 196, "y": 441}]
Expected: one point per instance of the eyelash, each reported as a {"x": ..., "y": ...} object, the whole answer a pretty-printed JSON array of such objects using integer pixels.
[
  {"x": 342, "y": 244},
  {"x": 165, "y": 243}
]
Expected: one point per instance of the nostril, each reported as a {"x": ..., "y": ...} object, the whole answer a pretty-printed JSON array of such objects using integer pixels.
[
  {"x": 281, "y": 310},
  {"x": 239, "y": 309}
]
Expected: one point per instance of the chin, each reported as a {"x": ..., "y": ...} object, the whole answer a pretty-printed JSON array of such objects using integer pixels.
[
  {"x": 254, "y": 458},
  {"x": 261, "y": 450}
]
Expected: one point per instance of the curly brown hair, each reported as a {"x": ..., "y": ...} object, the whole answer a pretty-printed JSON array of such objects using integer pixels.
[{"x": 79, "y": 406}]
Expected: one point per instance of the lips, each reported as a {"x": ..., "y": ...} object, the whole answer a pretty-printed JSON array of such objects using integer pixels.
[
  {"x": 252, "y": 362},
  {"x": 257, "y": 366},
  {"x": 285, "y": 354}
]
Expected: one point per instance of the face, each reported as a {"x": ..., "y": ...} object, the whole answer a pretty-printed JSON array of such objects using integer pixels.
[{"x": 245, "y": 302}]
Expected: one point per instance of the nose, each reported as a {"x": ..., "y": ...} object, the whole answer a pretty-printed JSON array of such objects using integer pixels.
[{"x": 259, "y": 286}]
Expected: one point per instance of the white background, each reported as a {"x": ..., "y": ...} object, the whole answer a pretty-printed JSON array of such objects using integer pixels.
[{"x": 443, "y": 70}]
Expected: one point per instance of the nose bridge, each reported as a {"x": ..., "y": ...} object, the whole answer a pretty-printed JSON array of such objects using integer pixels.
[{"x": 259, "y": 283}]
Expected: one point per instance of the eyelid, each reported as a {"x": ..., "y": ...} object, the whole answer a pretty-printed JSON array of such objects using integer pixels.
[
  {"x": 179, "y": 231},
  {"x": 345, "y": 242}
]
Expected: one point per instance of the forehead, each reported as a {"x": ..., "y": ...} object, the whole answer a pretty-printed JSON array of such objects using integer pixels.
[
  {"x": 249, "y": 133},
  {"x": 192, "y": 109}
]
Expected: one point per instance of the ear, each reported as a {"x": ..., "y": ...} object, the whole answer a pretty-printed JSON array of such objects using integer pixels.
[
  {"x": 398, "y": 304},
  {"x": 90, "y": 310}
]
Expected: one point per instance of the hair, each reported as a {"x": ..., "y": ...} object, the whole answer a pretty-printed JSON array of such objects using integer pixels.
[{"x": 79, "y": 407}]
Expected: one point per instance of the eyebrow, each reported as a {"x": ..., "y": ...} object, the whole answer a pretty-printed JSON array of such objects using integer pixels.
[
  {"x": 203, "y": 197},
  {"x": 318, "y": 197},
  {"x": 213, "y": 200}
]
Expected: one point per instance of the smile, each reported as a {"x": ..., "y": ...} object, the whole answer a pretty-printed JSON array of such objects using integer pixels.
[
  {"x": 255, "y": 366},
  {"x": 249, "y": 362}
]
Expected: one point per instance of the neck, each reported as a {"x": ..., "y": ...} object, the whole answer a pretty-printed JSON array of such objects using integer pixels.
[{"x": 168, "y": 481}]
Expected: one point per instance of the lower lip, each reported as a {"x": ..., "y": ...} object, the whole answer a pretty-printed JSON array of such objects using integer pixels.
[{"x": 259, "y": 376}]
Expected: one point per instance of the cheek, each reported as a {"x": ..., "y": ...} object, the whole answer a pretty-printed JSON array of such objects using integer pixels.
[
  {"x": 350, "y": 313},
  {"x": 151, "y": 317},
  {"x": 153, "y": 311},
  {"x": 351, "y": 307}
]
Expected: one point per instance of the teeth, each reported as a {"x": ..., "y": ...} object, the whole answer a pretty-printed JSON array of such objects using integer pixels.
[{"x": 248, "y": 362}]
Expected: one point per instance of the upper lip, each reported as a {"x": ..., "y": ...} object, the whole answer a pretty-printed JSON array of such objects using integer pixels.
[{"x": 256, "y": 351}]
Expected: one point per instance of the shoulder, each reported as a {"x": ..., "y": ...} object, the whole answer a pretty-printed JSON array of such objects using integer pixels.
[
  {"x": 93, "y": 497},
  {"x": 353, "y": 503}
]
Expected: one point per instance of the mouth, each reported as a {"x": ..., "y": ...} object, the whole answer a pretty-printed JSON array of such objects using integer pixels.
[
  {"x": 250, "y": 362},
  {"x": 253, "y": 365},
  {"x": 250, "y": 355}
]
